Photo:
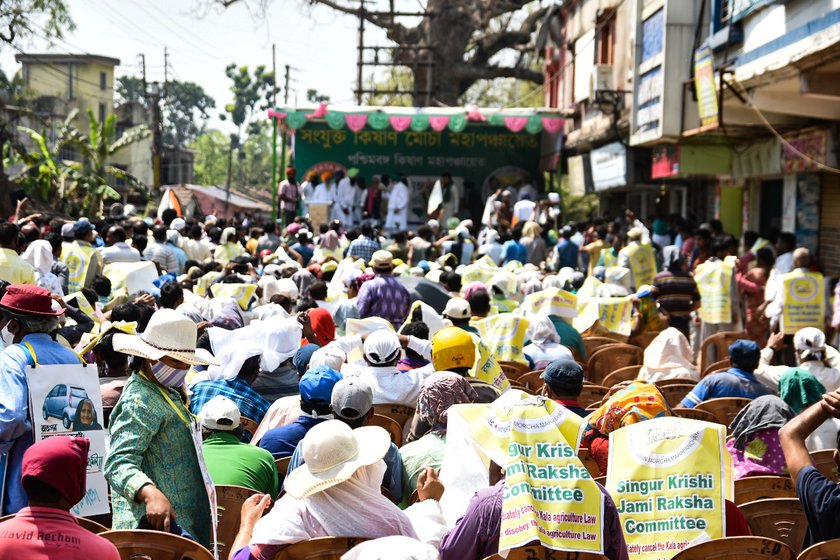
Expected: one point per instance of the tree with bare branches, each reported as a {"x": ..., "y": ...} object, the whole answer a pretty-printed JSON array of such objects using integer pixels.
[{"x": 466, "y": 40}]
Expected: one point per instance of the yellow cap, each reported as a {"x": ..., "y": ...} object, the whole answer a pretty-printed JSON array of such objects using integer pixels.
[{"x": 452, "y": 348}]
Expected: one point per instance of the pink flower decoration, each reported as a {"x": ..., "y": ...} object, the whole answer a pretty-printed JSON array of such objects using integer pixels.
[
  {"x": 400, "y": 124},
  {"x": 515, "y": 124},
  {"x": 320, "y": 112},
  {"x": 356, "y": 122},
  {"x": 552, "y": 124},
  {"x": 438, "y": 123},
  {"x": 475, "y": 115},
  {"x": 272, "y": 114}
]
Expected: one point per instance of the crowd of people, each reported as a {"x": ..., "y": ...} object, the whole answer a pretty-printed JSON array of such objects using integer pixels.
[{"x": 275, "y": 340}]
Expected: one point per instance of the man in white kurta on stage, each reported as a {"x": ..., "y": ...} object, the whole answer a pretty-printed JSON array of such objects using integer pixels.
[
  {"x": 397, "y": 219},
  {"x": 325, "y": 192},
  {"x": 345, "y": 198}
]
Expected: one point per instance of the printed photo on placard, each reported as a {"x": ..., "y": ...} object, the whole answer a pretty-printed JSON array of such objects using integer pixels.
[{"x": 64, "y": 400}]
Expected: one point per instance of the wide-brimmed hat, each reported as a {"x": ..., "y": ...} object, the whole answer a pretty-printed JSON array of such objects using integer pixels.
[
  {"x": 382, "y": 259},
  {"x": 332, "y": 452},
  {"x": 26, "y": 299},
  {"x": 169, "y": 333}
]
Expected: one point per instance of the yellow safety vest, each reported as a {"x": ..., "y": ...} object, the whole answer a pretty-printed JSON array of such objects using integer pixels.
[
  {"x": 642, "y": 263},
  {"x": 78, "y": 260},
  {"x": 804, "y": 301},
  {"x": 714, "y": 282}
]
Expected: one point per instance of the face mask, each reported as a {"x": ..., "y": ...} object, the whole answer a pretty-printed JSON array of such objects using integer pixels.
[
  {"x": 169, "y": 376},
  {"x": 8, "y": 337}
]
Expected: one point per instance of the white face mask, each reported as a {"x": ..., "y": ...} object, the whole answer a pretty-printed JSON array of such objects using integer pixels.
[
  {"x": 169, "y": 376},
  {"x": 7, "y": 336}
]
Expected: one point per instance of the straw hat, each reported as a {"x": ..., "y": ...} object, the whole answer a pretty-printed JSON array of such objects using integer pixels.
[
  {"x": 332, "y": 452},
  {"x": 169, "y": 333}
]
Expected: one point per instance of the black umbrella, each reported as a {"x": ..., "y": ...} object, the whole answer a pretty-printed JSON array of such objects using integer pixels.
[{"x": 430, "y": 293}]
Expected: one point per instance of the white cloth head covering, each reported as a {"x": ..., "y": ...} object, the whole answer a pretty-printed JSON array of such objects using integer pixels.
[
  {"x": 39, "y": 255},
  {"x": 227, "y": 233},
  {"x": 392, "y": 548},
  {"x": 810, "y": 343},
  {"x": 270, "y": 287},
  {"x": 330, "y": 355},
  {"x": 668, "y": 356},
  {"x": 324, "y": 514},
  {"x": 541, "y": 331}
]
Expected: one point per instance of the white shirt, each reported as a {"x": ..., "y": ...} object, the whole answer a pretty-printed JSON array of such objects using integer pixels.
[
  {"x": 523, "y": 210},
  {"x": 197, "y": 250},
  {"x": 773, "y": 292},
  {"x": 769, "y": 376},
  {"x": 324, "y": 194},
  {"x": 119, "y": 252},
  {"x": 390, "y": 385},
  {"x": 549, "y": 352}
]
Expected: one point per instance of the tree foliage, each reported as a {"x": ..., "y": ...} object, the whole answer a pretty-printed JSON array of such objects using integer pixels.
[
  {"x": 210, "y": 166},
  {"x": 184, "y": 109},
  {"x": 85, "y": 182},
  {"x": 466, "y": 41},
  {"x": 21, "y": 20}
]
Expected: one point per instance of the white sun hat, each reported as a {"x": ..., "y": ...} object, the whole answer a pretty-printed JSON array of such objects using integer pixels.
[
  {"x": 169, "y": 333},
  {"x": 332, "y": 452}
]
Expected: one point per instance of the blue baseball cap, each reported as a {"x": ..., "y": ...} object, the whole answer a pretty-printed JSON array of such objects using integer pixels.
[
  {"x": 302, "y": 357},
  {"x": 317, "y": 383},
  {"x": 564, "y": 375},
  {"x": 745, "y": 354}
]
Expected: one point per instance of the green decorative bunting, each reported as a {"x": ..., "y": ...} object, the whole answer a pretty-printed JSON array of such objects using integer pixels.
[
  {"x": 496, "y": 119},
  {"x": 296, "y": 119},
  {"x": 457, "y": 123},
  {"x": 419, "y": 123},
  {"x": 378, "y": 121},
  {"x": 534, "y": 124},
  {"x": 335, "y": 120}
]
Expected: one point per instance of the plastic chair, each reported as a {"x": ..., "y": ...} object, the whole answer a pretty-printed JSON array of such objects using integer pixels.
[
  {"x": 752, "y": 488},
  {"x": 140, "y": 544},
  {"x": 675, "y": 381},
  {"x": 827, "y": 550},
  {"x": 777, "y": 518},
  {"x": 643, "y": 340},
  {"x": 229, "y": 500},
  {"x": 321, "y": 548},
  {"x": 397, "y": 412},
  {"x": 390, "y": 425},
  {"x": 675, "y": 393},
  {"x": 628, "y": 373},
  {"x": 721, "y": 365},
  {"x": 609, "y": 358},
  {"x": 513, "y": 369},
  {"x": 719, "y": 343},
  {"x": 248, "y": 425},
  {"x": 823, "y": 460},
  {"x": 592, "y": 394},
  {"x": 282, "y": 465},
  {"x": 532, "y": 380},
  {"x": 538, "y": 552},
  {"x": 724, "y": 409},
  {"x": 737, "y": 548},
  {"x": 84, "y": 523},
  {"x": 592, "y": 343},
  {"x": 695, "y": 414}
]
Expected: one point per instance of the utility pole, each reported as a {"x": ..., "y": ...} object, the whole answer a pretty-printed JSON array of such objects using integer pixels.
[
  {"x": 157, "y": 133},
  {"x": 274, "y": 136},
  {"x": 361, "y": 62},
  {"x": 283, "y": 144}
]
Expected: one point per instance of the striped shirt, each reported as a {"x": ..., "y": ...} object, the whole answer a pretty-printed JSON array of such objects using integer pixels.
[{"x": 676, "y": 292}]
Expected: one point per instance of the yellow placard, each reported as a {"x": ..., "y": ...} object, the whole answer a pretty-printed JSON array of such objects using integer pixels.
[
  {"x": 804, "y": 301},
  {"x": 615, "y": 314},
  {"x": 476, "y": 273},
  {"x": 548, "y": 494},
  {"x": 132, "y": 277},
  {"x": 669, "y": 478},
  {"x": 486, "y": 368},
  {"x": 242, "y": 293},
  {"x": 642, "y": 263},
  {"x": 551, "y": 301},
  {"x": 204, "y": 283},
  {"x": 81, "y": 303},
  {"x": 505, "y": 336},
  {"x": 714, "y": 282}
]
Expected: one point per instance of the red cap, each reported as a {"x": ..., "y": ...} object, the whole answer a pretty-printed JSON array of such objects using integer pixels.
[
  {"x": 61, "y": 462},
  {"x": 26, "y": 299}
]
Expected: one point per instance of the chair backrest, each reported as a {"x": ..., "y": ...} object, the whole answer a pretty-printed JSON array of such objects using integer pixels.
[
  {"x": 322, "y": 548},
  {"x": 718, "y": 345},
  {"x": 827, "y": 550},
  {"x": 139, "y": 544},
  {"x": 643, "y": 340},
  {"x": 282, "y": 465},
  {"x": 824, "y": 462},
  {"x": 751, "y": 488},
  {"x": 737, "y": 548},
  {"x": 592, "y": 394},
  {"x": 695, "y": 414},
  {"x": 399, "y": 413},
  {"x": 627, "y": 373},
  {"x": 609, "y": 358},
  {"x": 720, "y": 365},
  {"x": 229, "y": 499},
  {"x": 391, "y": 426},
  {"x": 675, "y": 393},
  {"x": 537, "y": 552},
  {"x": 724, "y": 409},
  {"x": 248, "y": 425},
  {"x": 84, "y": 523},
  {"x": 589, "y": 462},
  {"x": 782, "y": 519},
  {"x": 532, "y": 380},
  {"x": 674, "y": 381},
  {"x": 592, "y": 343},
  {"x": 513, "y": 369}
]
